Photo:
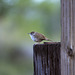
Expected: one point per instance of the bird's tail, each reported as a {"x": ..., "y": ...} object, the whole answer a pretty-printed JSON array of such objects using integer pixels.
[{"x": 48, "y": 40}]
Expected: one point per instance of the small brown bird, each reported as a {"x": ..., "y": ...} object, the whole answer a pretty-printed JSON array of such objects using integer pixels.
[{"x": 38, "y": 37}]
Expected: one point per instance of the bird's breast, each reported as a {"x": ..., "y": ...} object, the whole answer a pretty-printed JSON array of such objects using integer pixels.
[{"x": 33, "y": 38}]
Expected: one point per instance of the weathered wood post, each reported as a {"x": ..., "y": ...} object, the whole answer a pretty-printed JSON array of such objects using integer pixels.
[
  {"x": 47, "y": 59},
  {"x": 68, "y": 37}
]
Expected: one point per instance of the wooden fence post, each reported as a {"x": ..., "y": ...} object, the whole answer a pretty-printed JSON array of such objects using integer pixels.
[
  {"x": 47, "y": 59},
  {"x": 68, "y": 37}
]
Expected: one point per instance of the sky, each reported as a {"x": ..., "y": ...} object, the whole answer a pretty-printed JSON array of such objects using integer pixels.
[{"x": 39, "y": 1}]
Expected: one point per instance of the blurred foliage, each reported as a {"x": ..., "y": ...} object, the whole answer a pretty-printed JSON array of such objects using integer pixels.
[
  {"x": 4, "y": 8},
  {"x": 27, "y": 16},
  {"x": 17, "y": 18}
]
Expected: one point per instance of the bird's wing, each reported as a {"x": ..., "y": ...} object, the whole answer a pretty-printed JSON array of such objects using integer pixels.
[{"x": 39, "y": 36}]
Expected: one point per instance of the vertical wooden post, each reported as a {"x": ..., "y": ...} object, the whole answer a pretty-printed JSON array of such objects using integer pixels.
[
  {"x": 68, "y": 37},
  {"x": 47, "y": 59}
]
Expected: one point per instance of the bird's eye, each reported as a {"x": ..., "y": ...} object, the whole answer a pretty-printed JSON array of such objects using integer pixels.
[{"x": 32, "y": 32}]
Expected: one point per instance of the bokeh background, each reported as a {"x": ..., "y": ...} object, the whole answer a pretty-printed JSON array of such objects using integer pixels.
[{"x": 17, "y": 18}]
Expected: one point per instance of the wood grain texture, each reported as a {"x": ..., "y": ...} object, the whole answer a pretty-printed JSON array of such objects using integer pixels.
[
  {"x": 47, "y": 59},
  {"x": 68, "y": 37}
]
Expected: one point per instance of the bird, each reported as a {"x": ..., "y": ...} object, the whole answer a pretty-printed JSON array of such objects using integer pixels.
[{"x": 38, "y": 37}]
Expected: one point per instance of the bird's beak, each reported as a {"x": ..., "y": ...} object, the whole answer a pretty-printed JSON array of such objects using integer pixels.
[{"x": 28, "y": 33}]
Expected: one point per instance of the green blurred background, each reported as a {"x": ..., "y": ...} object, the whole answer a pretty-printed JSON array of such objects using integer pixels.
[{"x": 17, "y": 18}]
